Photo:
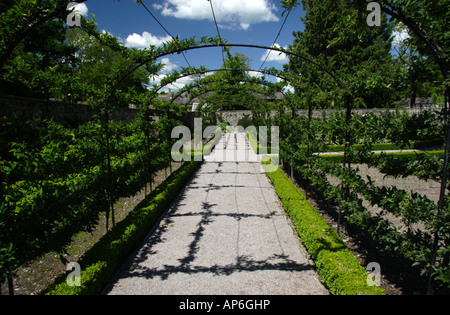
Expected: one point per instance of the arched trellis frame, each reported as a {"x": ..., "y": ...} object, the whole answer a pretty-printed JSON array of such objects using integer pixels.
[
  {"x": 390, "y": 10},
  {"x": 230, "y": 88},
  {"x": 178, "y": 50},
  {"x": 175, "y": 47},
  {"x": 198, "y": 84},
  {"x": 210, "y": 43},
  {"x": 270, "y": 72}
]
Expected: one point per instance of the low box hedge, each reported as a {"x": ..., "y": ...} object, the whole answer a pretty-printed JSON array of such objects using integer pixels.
[
  {"x": 99, "y": 263},
  {"x": 338, "y": 268},
  {"x": 411, "y": 156},
  {"x": 387, "y": 146}
]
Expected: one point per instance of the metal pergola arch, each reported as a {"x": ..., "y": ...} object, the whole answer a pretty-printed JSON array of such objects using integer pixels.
[
  {"x": 278, "y": 75},
  {"x": 179, "y": 50},
  {"x": 197, "y": 84},
  {"x": 224, "y": 89}
]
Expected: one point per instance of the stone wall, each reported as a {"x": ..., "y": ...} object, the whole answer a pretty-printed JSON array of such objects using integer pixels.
[
  {"x": 72, "y": 115},
  {"x": 68, "y": 114},
  {"x": 233, "y": 117}
]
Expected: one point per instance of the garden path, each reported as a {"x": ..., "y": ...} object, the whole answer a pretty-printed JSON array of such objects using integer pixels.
[{"x": 226, "y": 233}]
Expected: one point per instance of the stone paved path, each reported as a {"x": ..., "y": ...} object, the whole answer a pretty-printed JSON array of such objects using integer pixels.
[{"x": 225, "y": 234}]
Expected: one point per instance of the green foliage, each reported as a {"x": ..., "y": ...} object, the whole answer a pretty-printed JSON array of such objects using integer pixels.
[
  {"x": 336, "y": 36},
  {"x": 20, "y": 20},
  {"x": 34, "y": 54},
  {"x": 223, "y": 126},
  {"x": 99, "y": 264},
  {"x": 8, "y": 262},
  {"x": 41, "y": 56},
  {"x": 300, "y": 137},
  {"x": 289, "y": 4},
  {"x": 232, "y": 88},
  {"x": 426, "y": 21},
  {"x": 100, "y": 65},
  {"x": 53, "y": 180}
]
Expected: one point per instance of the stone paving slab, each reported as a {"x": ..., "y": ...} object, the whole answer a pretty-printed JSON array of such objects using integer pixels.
[{"x": 226, "y": 233}]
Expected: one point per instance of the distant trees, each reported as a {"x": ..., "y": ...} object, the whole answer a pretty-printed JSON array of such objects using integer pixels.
[
  {"x": 337, "y": 36},
  {"x": 376, "y": 70}
]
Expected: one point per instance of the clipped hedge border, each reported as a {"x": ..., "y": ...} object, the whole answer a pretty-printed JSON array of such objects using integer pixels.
[
  {"x": 411, "y": 156},
  {"x": 387, "y": 146},
  {"x": 338, "y": 268},
  {"x": 99, "y": 263}
]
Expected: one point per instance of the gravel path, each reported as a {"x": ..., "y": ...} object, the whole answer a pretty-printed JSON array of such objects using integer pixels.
[{"x": 226, "y": 233}]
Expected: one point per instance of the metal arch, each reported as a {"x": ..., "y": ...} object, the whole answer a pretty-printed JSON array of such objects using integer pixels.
[
  {"x": 227, "y": 89},
  {"x": 329, "y": 72},
  {"x": 287, "y": 52},
  {"x": 268, "y": 84},
  {"x": 223, "y": 69}
]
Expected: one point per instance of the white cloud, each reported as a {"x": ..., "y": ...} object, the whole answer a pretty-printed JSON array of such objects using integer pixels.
[
  {"x": 275, "y": 55},
  {"x": 180, "y": 83},
  {"x": 399, "y": 37},
  {"x": 145, "y": 40},
  {"x": 175, "y": 86},
  {"x": 287, "y": 88},
  {"x": 154, "y": 80},
  {"x": 245, "y": 26},
  {"x": 230, "y": 14},
  {"x": 255, "y": 74},
  {"x": 168, "y": 66}
]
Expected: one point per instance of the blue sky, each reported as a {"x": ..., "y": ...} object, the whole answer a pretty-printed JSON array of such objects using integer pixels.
[{"x": 254, "y": 22}]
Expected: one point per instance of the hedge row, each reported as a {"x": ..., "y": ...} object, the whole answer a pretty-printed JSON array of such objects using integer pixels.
[
  {"x": 410, "y": 156},
  {"x": 99, "y": 264},
  {"x": 338, "y": 268},
  {"x": 388, "y": 146},
  {"x": 417, "y": 145}
]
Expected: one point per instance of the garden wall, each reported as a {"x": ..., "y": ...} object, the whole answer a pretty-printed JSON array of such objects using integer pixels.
[
  {"x": 233, "y": 117},
  {"x": 72, "y": 115},
  {"x": 68, "y": 114}
]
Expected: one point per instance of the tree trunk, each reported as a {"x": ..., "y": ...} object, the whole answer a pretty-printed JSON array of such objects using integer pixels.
[{"x": 412, "y": 101}]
